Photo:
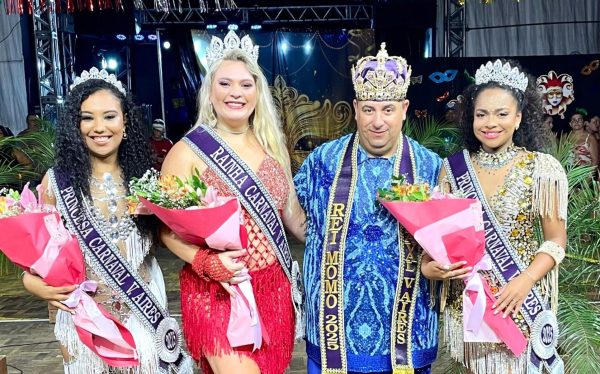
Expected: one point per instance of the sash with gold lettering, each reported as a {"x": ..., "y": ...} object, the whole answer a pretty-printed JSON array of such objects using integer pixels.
[
  {"x": 255, "y": 198},
  {"x": 107, "y": 262},
  {"x": 506, "y": 265},
  {"x": 331, "y": 314}
]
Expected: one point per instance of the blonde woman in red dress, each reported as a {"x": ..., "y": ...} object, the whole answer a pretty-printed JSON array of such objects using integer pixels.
[{"x": 237, "y": 108}]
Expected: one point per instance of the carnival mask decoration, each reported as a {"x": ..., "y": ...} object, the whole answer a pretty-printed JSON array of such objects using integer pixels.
[{"x": 557, "y": 92}]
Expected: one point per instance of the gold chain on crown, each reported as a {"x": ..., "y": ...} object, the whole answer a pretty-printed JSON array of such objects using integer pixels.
[
  {"x": 94, "y": 73},
  {"x": 218, "y": 48},
  {"x": 381, "y": 83}
]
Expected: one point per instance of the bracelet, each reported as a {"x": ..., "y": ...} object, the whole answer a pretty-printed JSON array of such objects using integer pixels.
[
  {"x": 530, "y": 276},
  {"x": 209, "y": 266},
  {"x": 553, "y": 250},
  {"x": 199, "y": 262}
]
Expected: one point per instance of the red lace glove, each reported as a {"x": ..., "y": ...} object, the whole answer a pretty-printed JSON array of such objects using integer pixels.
[{"x": 209, "y": 266}]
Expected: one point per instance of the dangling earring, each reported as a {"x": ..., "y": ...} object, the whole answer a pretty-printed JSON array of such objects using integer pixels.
[
  {"x": 516, "y": 128},
  {"x": 124, "y": 135}
]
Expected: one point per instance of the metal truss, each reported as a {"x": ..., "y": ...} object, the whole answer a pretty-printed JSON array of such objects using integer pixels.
[
  {"x": 454, "y": 28},
  {"x": 54, "y": 48},
  {"x": 284, "y": 15}
]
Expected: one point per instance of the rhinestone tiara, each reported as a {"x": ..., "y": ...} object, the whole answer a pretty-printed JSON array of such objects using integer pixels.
[
  {"x": 218, "y": 48},
  {"x": 94, "y": 73},
  {"x": 503, "y": 74},
  {"x": 381, "y": 77}
]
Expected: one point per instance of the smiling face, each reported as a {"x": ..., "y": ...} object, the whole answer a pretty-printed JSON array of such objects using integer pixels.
[
  {"x": 379, "y": 125},
  {"x": 496, "y": 117},
  {"x": 233, "y": 94},
  {"x": 102, "y": 124}
]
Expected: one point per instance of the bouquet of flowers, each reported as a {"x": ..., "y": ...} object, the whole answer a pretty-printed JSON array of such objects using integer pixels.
[
  {"x": 199, "y": 216},
  {"x": 450, "y": 229},
  {"x": 34, "y": 238}
]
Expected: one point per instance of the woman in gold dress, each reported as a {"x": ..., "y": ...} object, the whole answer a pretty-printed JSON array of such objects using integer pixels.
[{"x": 520, "y": 189}]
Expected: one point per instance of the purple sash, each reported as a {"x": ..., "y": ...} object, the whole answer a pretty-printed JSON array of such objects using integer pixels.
[
  {"x": 255, "y": 198},
  {"x": 108, "y": 263},
  {"x": 507, "y": 265},
  {"x": 331, "y": 313}
]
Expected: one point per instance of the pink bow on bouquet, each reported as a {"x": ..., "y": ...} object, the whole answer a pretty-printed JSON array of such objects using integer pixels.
[
  {"x": 100, "y": 331},
  {"x": 218, "y": 225},
  {"x": 36, "y": 240}
]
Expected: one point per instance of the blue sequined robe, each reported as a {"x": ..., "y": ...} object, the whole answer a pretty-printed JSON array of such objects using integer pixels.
[{"x": 371, "y": 258}]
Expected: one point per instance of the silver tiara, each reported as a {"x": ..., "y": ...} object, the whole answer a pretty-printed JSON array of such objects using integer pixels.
[
  {"x": 503, "y": 74},
  {"x": 218, "y": 48},
  {"x": 94, "y": 73}
]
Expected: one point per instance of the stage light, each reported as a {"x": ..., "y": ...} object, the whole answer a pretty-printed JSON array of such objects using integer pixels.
[
  {"x": 285, "y": 46},
  {"x": 166, "y": 44},
  {"x": 152, "y": 37},
  {"x": 112, "y": 64},
  {"x": 121, "y": 37},
  {"x": 211, "y": 26},
  {"x": 233, "y": 27},
  {"x": 103, "y": 63},
  {"x": 255, "y": 27},
  {"x": 307, "y": 47},
  {"x": 139, "y": 37}
]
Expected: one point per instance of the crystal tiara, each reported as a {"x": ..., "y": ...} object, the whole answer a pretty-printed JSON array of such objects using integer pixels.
[{"x": 503, "y": 74}]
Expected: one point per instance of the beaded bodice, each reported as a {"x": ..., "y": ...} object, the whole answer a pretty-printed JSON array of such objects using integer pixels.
[
  {"x": 512, "y": 208},
  {"x": 271, "y": 174},
  {"x": 108, "y": 208}
]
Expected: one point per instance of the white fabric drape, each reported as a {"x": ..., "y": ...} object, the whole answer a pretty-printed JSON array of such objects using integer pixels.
[
  {"x": 529, "y": 27},
  {"x": 13, "y": 96}
]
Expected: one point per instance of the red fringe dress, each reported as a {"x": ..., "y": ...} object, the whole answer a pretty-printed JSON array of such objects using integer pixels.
[{"x": 205, "y": 305}]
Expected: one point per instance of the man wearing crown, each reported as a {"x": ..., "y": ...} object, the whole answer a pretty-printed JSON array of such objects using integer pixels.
[{"x": 368, "y": 308}]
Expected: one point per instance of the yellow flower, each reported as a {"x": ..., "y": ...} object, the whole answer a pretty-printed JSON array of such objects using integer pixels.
[
  {"x": 528, "y": 180},
  {"x": 514, "y": 233},
  {"x": 521, "y": 217},
  {"x": 168, "y": 183},
  {"x": 2, "y": 204}
]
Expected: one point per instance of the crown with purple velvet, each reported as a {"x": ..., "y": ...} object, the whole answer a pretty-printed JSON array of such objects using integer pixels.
[{"x": 381, "y": 78}]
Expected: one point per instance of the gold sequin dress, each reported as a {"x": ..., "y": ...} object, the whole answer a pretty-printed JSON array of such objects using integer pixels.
[{"x": 527, "y": 194}]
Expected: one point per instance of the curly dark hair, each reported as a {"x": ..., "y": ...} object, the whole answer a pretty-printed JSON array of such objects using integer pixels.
[
  {"x": 531, "y": 133},
  {"x": 72, "y": 155}
]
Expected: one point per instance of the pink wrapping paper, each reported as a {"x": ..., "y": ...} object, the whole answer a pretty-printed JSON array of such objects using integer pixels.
[
  {"x": 451, "y": 230},
  {"x": 219, "y": 226},
  {"x": 38, "y": 242}
]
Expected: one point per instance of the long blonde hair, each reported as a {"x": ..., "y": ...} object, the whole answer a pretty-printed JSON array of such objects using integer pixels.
[{"x": 264, "y": 121}]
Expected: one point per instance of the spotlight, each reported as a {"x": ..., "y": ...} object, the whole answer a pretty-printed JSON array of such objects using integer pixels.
[
  {"x": 211, "y": 26},
  {"x": 307, "y": 47},
  {"x": 139, "y": 37},
  {"x": 152, "y": 37},
  {"x": 233, "y": 27},
  {"x": 112, "y": 64},
  {"x": 121, "y": 37},
  {"x": 285, "y": 46},
  {"x": 166, "y": 44},
  {"x": 103, "y": 63},
  {"x": 255, "y": 27}
]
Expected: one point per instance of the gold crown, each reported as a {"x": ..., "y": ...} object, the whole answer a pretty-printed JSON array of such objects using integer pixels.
[
  {"x": 218, "y": 48},
  {"x": 381, "y": 78}
]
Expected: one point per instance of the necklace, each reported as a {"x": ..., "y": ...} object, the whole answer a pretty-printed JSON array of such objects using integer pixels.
[
  {"x": 235, "y": 132},
  {"x": 496, "y": 160},
  {"x": 110, "y": 192}
]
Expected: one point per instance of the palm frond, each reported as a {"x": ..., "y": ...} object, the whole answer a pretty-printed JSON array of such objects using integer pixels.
[
  {"x": 579, "y": 325},
  {"x": 438, "y": 135}
]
